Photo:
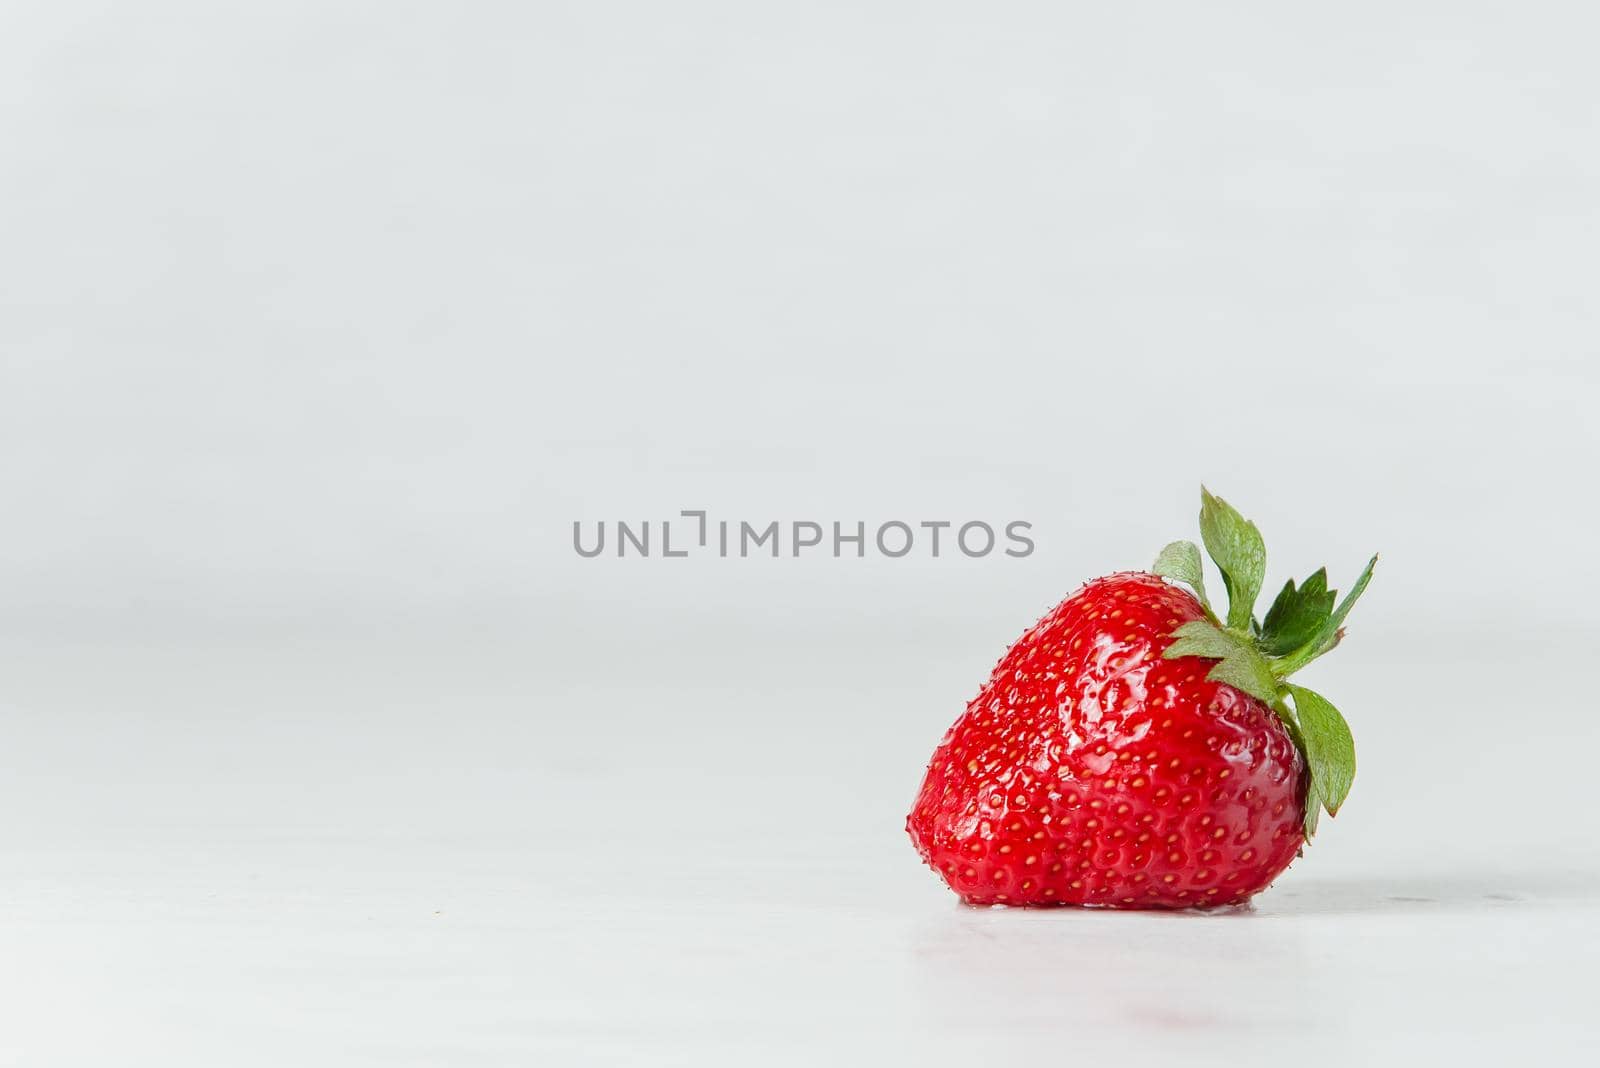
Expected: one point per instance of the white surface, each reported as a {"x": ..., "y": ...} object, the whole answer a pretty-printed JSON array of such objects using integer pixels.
[{"x": 360, "y": 853}]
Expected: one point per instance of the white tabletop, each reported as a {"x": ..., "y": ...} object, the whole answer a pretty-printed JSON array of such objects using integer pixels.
[{"x": 364, "y": 852}]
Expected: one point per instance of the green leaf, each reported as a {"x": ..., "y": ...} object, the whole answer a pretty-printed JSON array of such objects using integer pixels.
[
  {"x": 1181, "y": 562},
  {"x": 1331, "y": 628},
  {"x": 1238, "y": 663},
  {"x": 1235, "y": 544},
  {"x": 1298, "y": 615},
  {"x": 1330, "y": 633},
  {"x": 1330, "y": 751}
]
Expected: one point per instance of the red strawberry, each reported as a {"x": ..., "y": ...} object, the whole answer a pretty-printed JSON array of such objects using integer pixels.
[{"x": 1132, "y": 750}]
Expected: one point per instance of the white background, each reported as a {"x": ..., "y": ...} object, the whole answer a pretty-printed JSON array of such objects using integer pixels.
[{"x": 320, "y": 323}]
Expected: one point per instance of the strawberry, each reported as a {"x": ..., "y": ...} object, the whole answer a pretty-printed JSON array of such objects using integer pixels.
[{"x": 1134, "y": 750}]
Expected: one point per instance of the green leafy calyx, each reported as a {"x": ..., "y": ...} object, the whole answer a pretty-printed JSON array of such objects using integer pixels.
[{"x": 1258, "y": 656}]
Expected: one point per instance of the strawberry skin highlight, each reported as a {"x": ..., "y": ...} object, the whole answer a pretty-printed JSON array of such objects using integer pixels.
[{"x": 1090, "y": 770}]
